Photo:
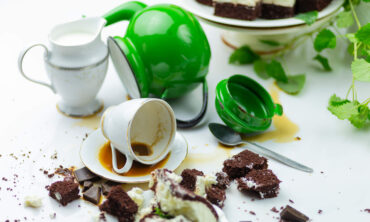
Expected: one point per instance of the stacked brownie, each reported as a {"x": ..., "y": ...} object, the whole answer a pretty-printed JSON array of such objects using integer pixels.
[
  {"x": 267, "y": 9},
  {"x": 251, "y": 173},
  {"x": 213, "y": 189}
]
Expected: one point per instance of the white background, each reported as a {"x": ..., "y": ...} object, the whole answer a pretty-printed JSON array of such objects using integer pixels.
[{"x": 31, "y": 123}]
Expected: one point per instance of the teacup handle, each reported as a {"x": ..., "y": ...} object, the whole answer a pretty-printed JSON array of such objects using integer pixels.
[
  {"x": 127, "y": 165},
  {"x": 20, "y": 65}
]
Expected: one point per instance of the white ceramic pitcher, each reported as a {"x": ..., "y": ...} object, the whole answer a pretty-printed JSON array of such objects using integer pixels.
[{"x": 76, "y": 61}]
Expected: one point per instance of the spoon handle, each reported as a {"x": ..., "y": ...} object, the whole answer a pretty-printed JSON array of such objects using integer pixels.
[{"x": 280, "y": 158}]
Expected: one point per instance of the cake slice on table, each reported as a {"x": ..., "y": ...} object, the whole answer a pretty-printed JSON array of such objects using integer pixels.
[
  {"x": 275, "y": 9},
  {"x": 177, "y": 200},
  {"x": 204, "y": 185},
  {"x": 120, "y": 204},
  {"x": 238, "y": 9},
  {"x": 311, "y": 5},
  {"x": 240, "y": 164},
  {"x": 206, "y": 2},
  {"x": 264, "y": 183}
]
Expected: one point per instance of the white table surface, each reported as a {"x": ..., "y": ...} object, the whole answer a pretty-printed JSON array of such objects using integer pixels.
[{"x": 31, "y": 123}]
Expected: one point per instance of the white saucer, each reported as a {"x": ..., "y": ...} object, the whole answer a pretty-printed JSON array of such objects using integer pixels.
[
  {"x": 207, "y": 13},
  {"x": 90, "y": 150}
]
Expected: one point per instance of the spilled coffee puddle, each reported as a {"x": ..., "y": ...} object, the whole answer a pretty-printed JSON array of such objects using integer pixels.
[
  {"x": 91, "y": 122},
  {"x": 285, "y": 130},
  {"x": 137, "y": 169}
]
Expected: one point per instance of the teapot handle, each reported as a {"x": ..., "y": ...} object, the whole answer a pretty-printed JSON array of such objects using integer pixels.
[
  {"x": 123, "y": 12},
  {"x": 192, "y": 122}
]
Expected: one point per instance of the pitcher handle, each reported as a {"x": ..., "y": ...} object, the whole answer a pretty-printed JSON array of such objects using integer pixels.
[
  {"x": 123, "y": 12},
  {"x": 20, "y": 65},
  {"x": 127, "y": 165},
  {"x": 192, "y": 122}
]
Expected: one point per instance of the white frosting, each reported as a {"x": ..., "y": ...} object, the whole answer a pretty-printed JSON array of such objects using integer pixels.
[
  {"x": 284, "y": 3},
  {"x": 203, "y": 183},
  {"x": 249, "y": 183},
  {"x": 192, "y": 210},
  {"x": 179, "y": 218},
  {"x": 250, "y": 3},
  {"x": 33, "y": 201},
  {"x": 136, "y": 194}
]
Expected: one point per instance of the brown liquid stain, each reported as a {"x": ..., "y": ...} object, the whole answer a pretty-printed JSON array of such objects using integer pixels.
[
  {"x": 285, "y": 130},
  {"x": 198, "y": 160},
  {"x": 91, "y": 122},
  {"x": 128, "y": 186},
  {"x": 137, "y": 169}
]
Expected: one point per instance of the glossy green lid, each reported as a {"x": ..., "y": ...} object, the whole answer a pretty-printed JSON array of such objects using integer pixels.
[{"x": 244, "y": 105}]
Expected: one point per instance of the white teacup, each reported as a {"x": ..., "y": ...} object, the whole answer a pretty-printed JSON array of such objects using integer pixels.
[{"x": 145, "y": 121}]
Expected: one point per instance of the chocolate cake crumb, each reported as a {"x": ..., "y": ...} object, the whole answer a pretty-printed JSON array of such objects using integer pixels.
[
  {"x": 102, "y": 217},
  {"x": 320, "y": 211},
  {"x": 119, "y": 204},
  {"x": 240, "y": 164},
  {"x": 252, "y": 212},
  {"x": 64, "y": 191},
  {"x": 291, "y": 214},
  {"x": 291, "y": 201},
  {"x": 264, "y": 183},
  {"x": 367, "y": 210},
  {"x": 298, "y": 138},
  {"x": 223, "y": 181},
  {"x": 274, "y": 210},
  {"x": 189, "y": 178},
  {"x": 216, "y": 196}
]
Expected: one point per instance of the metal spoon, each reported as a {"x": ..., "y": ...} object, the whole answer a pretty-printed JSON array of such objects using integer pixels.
[{"x": 229, "y": 137}]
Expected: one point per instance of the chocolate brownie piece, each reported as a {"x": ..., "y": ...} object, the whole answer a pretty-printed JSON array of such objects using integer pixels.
[
  {"x": 189, "y": 178},
  {"x": 271, "y": 11},
  {"x": 206, "y": 2},
  {"x": 302, "y": 6},
  {"x": 292, "y": 215},
  {"x": 216, "y": 196},
  {"x": 240, "y": 164},
  {"x": 264, "y": 183},
  {"x": 119, "y": 204},
  {"x": 64, "y": 191},
  {"x": 223, "y": 181},
  {"x": 238, "y": 11}
]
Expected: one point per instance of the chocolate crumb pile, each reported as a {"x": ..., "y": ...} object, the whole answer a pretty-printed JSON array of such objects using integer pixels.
[
  {"x": 251, "y": 173},
  {"x": 119, "y": 204}
]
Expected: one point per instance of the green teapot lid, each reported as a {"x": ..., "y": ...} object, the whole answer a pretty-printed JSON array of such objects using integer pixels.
[{"x": 244, "y": 105}]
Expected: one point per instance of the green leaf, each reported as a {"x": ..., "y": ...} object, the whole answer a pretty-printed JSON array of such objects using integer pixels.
[
  {"x": 259, "y": 67},
  {"x": 345, "y": 110},
  {"x": 351, "y": 37},
  {"x": 160, "y": 213},
  {"x": 345, "y": 19},
  {"x": 325, "y": 39},
  {"x": 243, "y": 55},
  {"x": 323, "y": 61},
  {"x": 294, "y": 84},
  {"x": 359, "y": 120},
  {"x": 309, "y": 17},
  {"x": 269, "y": 42},
  {"x": 363, "y": 34},
  {"x": 337, "y": 101},
  {"x": 276, "y": 70},
  {"x": 361, "y": 70}
]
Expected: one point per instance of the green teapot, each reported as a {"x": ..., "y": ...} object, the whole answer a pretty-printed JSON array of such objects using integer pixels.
[{"x": 164, "y": 54}]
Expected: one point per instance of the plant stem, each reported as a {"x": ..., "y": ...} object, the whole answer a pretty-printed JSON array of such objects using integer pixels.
[{"x": 354, "y": 14}]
